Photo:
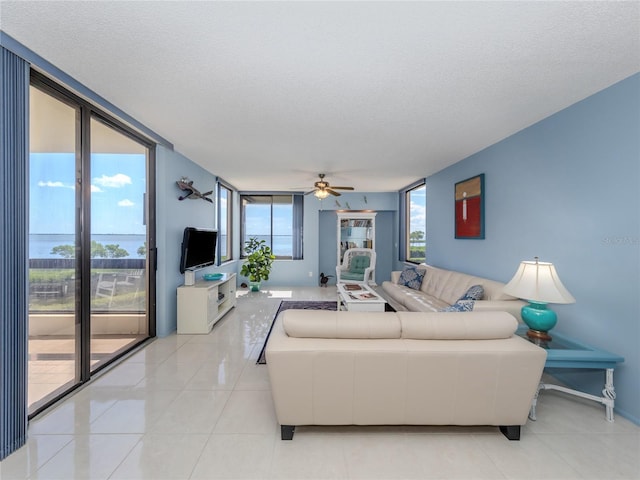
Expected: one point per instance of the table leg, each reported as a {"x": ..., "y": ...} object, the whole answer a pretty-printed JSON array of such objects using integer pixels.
[
  {"x": 607, "y": 399},
  {"x": 534, "y": 403},
  {"x": 341, "y": 305},
  {"x": 609, "y": 394}
]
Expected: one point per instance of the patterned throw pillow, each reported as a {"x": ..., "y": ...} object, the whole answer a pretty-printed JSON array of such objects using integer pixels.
[
  {"x": 460, "y": 306},
  {"x": 474, "y": 293},
  {"x": 466, "y": 302},
  {"x": 411, "y": 277}
]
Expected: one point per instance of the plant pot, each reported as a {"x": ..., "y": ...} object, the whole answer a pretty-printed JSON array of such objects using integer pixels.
[{"x": 254, "y": 286}]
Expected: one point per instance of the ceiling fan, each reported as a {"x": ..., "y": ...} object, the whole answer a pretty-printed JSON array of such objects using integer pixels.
[{"x": 322, "y": 189}]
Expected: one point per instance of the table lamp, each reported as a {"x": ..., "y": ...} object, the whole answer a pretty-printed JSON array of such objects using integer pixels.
[{"x": 539, "y": 284}]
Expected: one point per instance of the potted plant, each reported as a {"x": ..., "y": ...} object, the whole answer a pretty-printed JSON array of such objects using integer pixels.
[{"x": 257, "y": 266}]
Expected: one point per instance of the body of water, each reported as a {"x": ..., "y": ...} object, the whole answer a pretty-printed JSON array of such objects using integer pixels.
[
  {"x": 282, "y": 244},
  {"x": 40, "y": 245}
]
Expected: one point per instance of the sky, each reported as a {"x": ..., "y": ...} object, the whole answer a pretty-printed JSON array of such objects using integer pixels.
[
  {"x": 117, "y": 193},
  {"x": 418, "y": 210},
  {"x": 259, "y": 217}
]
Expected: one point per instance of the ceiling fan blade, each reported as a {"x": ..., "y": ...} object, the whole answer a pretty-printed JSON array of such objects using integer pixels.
[
  {"x": 310, "y": 191},
  {"x": 335, "y": 194},
  {"x": 342, "y": 188}
]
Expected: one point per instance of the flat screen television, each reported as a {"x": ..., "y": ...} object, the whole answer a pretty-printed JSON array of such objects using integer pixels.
[{"x": 198, "y": 248}]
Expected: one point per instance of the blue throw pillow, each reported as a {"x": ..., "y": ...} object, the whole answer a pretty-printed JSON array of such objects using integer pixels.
[
  {"x": 460, "y": 306},
  {"x": 474, "y": 293},
  {"x": 411, "y": 277},
  {"x": 466, "y": 302}
]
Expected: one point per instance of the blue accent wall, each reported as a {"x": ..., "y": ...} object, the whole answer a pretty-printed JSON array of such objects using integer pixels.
[
  {"x": 566, "y": 190},
  {"x": 173, "y": 216}
]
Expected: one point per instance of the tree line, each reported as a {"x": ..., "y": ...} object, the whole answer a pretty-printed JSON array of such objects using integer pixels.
[{"x": 98, "y": 250}]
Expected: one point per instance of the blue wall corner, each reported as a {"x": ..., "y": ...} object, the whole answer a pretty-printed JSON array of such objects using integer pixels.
[{"x": 173, "y": 216}]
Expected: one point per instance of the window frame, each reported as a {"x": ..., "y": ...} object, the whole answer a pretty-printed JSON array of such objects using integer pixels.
[
  {"x": 228, "y": 224},
  {"x": 405, "y": 222},
  {"x": 297, "y": 203},
  {"x": 87, "y": 111}
]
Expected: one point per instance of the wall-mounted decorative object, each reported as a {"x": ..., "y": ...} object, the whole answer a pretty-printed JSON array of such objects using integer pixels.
[
  {"x": 469, "y": 208},
  {"x": 192, "y": 192}
]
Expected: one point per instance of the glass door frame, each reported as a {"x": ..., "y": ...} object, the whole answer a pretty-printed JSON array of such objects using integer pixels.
[{"x": 85, "y": 112}]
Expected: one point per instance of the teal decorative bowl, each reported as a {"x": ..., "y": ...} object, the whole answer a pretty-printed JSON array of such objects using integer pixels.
[{"x": 212, "y": 276}]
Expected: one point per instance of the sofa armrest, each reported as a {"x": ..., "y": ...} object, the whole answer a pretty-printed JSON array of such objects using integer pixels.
[{"x": 511, "y": 306}]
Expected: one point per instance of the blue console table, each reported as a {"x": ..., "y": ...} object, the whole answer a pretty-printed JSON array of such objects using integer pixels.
[{"x": 565, "y": 352}]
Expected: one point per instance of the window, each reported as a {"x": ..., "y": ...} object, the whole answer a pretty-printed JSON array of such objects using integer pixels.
[
  {"x": 91, "y": 240},
  {"x": 414, "y": 220},
  {"x": 276, "y": 219},
  {"x": 224, "y": 223}
]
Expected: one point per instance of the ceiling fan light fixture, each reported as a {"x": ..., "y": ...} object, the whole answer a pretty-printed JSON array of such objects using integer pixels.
[
  {"x": 322, "y": 189},
  {"x": 321, "y": 194}
]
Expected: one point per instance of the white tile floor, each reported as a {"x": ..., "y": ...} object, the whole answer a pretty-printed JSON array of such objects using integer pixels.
[
  {"x": 197, "y": 407},
  {"x": 48, "y": 378}
]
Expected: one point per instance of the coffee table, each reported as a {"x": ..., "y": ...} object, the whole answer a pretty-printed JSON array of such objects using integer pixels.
[
  {"x": 362, "y": 299},
  {"x": 566, "y": 352}
]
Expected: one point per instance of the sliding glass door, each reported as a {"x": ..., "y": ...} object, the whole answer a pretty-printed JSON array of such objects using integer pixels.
[
  {"x": 53, "y": 247},
  {"x": 118, "y": 243},
  {"x": 91, "y": 242}
]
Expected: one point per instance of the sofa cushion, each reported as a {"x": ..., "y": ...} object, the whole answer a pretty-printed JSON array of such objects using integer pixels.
[
  {"x": 352, "y": 276},
  {"x": 359, "y": 264},
  {"x": 411, "y": 277},
  {"x": 493, "y": 290},
  {"x": 457, "y": 326},
  {"x": 413, "y": 300},
  {"x": 420, "y": 302},
  {"x": 449, "y": 285},
  {"x": 444, "y": 284},
  {"x": 329, "y": 324}
]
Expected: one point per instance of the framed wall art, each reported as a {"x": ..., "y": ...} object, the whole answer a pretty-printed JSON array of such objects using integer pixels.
[{"x": 469, "y": 208}]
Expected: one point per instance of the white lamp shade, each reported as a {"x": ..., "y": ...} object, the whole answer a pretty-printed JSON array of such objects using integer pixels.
[
  {"x": 538, "y": 282},
  {"x": 321, "y": 194}
]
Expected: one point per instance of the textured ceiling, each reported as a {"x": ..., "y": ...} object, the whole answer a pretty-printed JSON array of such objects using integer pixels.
[{"x": 269, "y": 94}]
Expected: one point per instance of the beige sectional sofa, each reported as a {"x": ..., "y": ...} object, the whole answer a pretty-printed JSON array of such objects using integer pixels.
[
  {"x": 441, "y": 288},
  {"x": 401, "y": 368}
]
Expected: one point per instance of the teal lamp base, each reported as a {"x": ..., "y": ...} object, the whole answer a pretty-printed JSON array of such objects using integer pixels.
[{"x": 539, "y": 319}]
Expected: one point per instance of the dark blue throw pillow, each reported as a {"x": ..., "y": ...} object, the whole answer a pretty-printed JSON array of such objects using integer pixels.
[
  {"x": 460, "y": 306},
  {"x": 411, "y": 277},
  {"x": 474, "y": 293}
]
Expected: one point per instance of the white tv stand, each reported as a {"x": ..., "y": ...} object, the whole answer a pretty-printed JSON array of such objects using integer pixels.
[{"x": 201, "y": 305}]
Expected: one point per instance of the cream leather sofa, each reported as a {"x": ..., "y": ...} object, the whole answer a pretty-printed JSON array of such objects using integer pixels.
[
  {"x": 401, "y": 368},
  {"x": 441, "y": 288}
]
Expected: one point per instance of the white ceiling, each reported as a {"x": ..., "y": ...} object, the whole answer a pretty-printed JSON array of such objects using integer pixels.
[{"x": 375, "y": 94}]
